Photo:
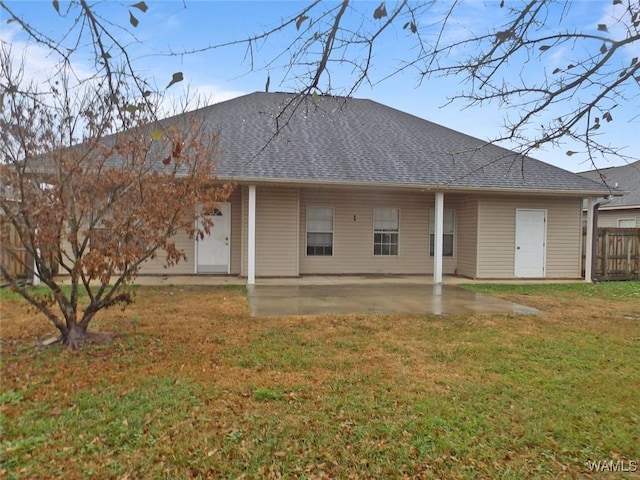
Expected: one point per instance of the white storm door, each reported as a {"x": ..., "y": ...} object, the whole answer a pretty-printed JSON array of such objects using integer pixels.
[
  {"x": 530, "y": 243},
  {"x": 212, "y": 251}
]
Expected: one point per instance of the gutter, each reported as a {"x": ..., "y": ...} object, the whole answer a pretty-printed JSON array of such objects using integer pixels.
[
  {"x": 622, "y": 207},
  {"x": 447, "y": 188}
]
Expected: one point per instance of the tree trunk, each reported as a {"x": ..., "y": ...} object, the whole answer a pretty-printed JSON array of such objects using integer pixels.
[{"x": 75, "y": 337}]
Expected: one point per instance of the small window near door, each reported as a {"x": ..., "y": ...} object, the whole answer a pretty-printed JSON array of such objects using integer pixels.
[
  {"x": 448, "y": 233},
  {"x": 627, "y": 223},
  {"x": 386, "y": 227},
  {"x": 319, "y": 231},
  {"x": 216, "y": 212}
]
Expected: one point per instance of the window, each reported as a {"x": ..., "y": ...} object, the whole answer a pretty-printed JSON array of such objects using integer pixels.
[
  {"x": 385, "y": 231},
  {"x": 626, "y": 223},
  {"x": 216, "y": 212},
  {"x": 448, "y": 233},
  {"x": 319, "y": 231}
]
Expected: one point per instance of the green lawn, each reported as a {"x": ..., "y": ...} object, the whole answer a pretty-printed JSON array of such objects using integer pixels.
[{"x": 196, "y": 388}]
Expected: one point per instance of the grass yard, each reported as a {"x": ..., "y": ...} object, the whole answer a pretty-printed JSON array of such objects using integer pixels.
[{"x": 193, "y": 387}]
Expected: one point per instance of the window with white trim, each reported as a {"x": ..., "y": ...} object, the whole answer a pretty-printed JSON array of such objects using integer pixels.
[
  {"x": 448, "y": 232},
  {"x": 627, "y": 223},
  {"x": 386, "y": 227},
  {"x": 319, "y": 231}
]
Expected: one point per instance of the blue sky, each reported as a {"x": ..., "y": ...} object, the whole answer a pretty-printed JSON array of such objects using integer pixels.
[{"x": 221, "y": 74}]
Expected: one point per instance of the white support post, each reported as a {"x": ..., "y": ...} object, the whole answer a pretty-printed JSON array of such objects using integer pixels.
[
  {"x": 588, "y": 244},
  {"x": 36, "y": 273},
  {"x": 437, "y": 299},
  {"x": 437, "y": 235},
  {"x": 35, "y": 281},
  {"x": 251, "y": 241}
]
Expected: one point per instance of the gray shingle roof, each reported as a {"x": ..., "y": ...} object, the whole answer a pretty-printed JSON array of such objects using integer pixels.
[
  {"x": 323, "y": 139},
  {"x": 626, "y": 177}
]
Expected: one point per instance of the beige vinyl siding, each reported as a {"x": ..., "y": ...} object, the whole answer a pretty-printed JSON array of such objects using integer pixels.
[
  {"x": 276, "y": 231},
  {"x": 564, "y": 239},
  {"x": 609, "y": 218},
  {"x": 156, "y": 266},
  {"x": 467, "y": 237},
  {"x": 353, "y": 232},
  {"x": 496, "y": 235},
  {"x": 183, "y": 242}
]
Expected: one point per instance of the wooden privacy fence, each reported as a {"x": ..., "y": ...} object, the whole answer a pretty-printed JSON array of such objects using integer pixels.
[
  {"x": 13, "y": 256},
  {"x": 617, "y": 254}
]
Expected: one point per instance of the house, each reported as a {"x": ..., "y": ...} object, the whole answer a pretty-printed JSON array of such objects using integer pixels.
[
  {"x": 624, "y": 211},
  {"x": 331, "y": 186},
  {"x": 616, "y": 250}
]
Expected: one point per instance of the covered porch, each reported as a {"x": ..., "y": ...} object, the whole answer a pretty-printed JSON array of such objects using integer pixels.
[{"x": 296, "y": 231}]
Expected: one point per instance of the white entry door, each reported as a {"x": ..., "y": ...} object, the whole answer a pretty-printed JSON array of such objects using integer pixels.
[
  {"x": 212, "y": 251},
  {"x": 530, "y": 243}
]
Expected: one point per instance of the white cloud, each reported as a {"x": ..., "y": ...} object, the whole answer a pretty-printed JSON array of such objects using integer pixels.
[
  {"x": 38, "y": 62},
  {"x": 216, "y": 94},
  {"x": 193, "y": 96}
]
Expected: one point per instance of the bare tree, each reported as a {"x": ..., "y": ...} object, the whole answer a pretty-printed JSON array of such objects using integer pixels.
[
  {"x": 571, "y": 96},
  {"x": 93, "y": 188},
  {"x": 554, "y": 83}
]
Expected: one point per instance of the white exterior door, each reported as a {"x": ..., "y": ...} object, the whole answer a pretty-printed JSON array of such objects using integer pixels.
[
  {"x": 212, "y": 251},
  {"x": 530, "y": 243}
]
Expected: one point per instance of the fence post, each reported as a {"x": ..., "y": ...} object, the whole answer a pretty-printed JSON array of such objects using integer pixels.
[
  {"x": 605, "y": 254},
  {"x": 629, "y": 255}
]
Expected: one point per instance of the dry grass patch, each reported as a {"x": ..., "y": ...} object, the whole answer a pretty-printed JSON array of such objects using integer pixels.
[{"x": 195, "y": 387}]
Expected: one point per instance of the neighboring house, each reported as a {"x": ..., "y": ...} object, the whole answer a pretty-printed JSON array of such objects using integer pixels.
[
  {"x": 620, "y": 212},
  {"x": 348, "y": 186}
]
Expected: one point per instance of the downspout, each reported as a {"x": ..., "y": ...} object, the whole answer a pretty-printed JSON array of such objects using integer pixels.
[{"x": 594, "y": 234}]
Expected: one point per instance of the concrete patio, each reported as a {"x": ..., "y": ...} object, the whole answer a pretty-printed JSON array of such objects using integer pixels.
[
  {"x": 410, "y": 298},
  {"x": 313, "y": 295},
  {"x": 318, "y": 294}
]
